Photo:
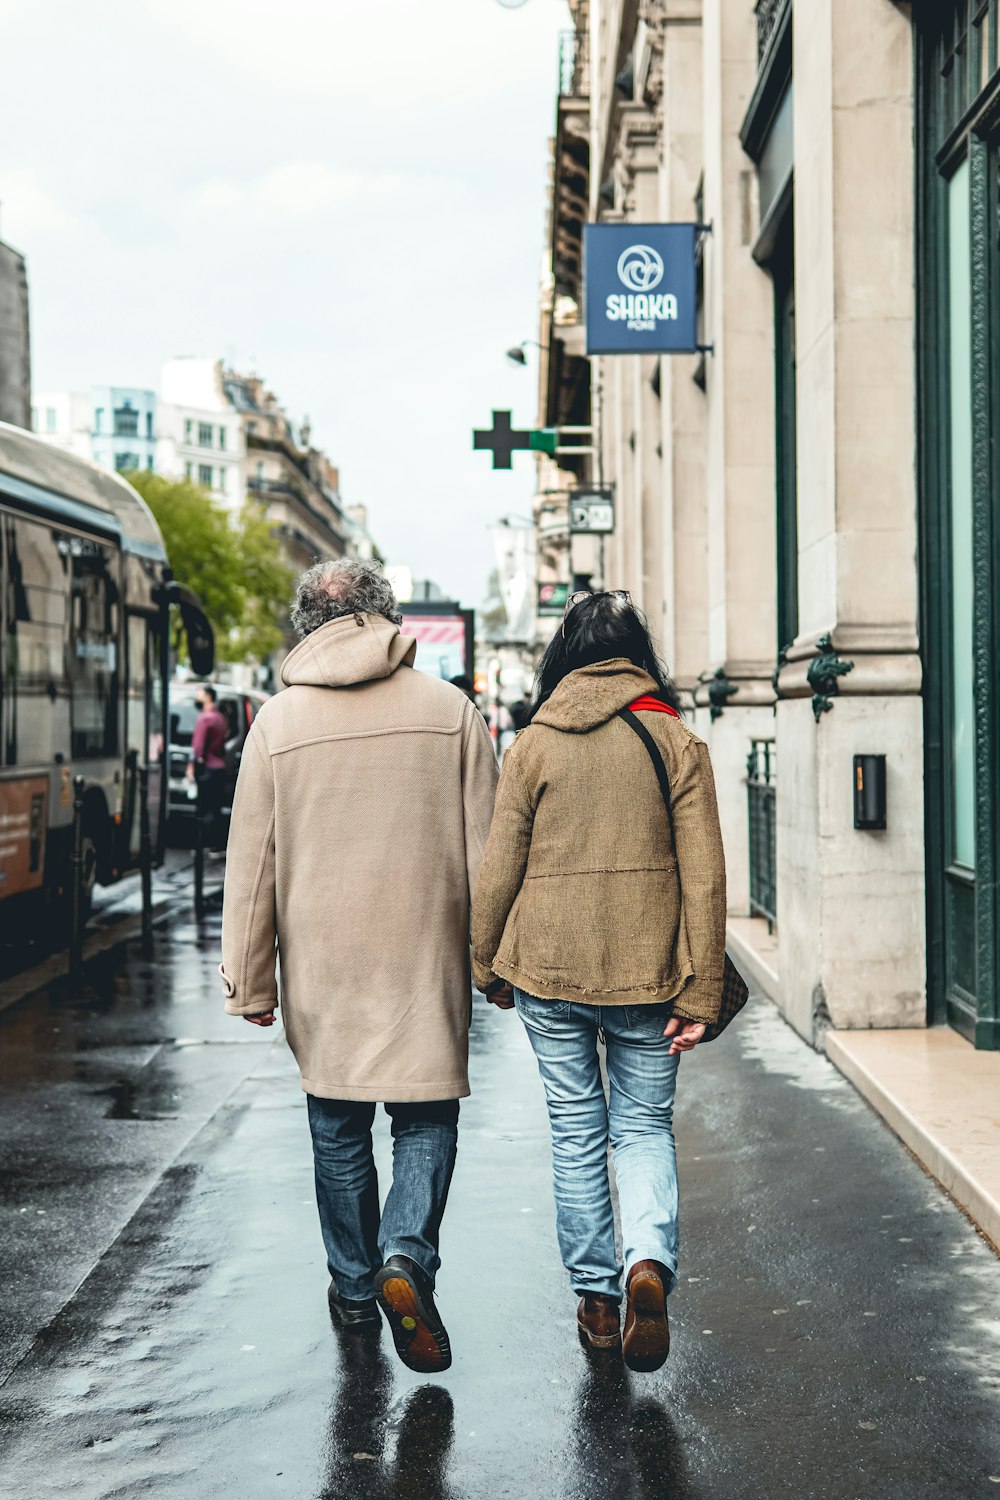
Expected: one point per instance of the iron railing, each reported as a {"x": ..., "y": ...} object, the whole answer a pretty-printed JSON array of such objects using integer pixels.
[
  {"x": 768, "y": 13},
  {"x": 762, "y": 765},
  {"x": 572, "y": 64}
]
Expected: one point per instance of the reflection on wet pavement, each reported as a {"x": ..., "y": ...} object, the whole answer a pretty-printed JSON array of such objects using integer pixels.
[{"x": 165, "y": 1330}]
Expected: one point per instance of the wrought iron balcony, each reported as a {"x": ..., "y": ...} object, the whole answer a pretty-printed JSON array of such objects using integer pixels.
[
  {"x": 572, "y": 64},
  {"x": 768, "y": 14}
]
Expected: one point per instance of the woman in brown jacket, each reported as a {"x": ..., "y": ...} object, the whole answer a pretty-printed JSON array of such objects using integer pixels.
[{"x": 609, "y": 919}]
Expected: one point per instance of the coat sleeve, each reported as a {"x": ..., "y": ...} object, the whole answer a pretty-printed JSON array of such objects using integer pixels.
[
  {"x": 249, "y": 931},
  {"x": 701, "y": 866},
  {"x": 479, "y": 788},
  {"x": 502, "y": 870}
]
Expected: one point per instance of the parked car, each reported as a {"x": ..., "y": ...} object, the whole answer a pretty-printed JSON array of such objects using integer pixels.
[{"x": 239, "y": 709}]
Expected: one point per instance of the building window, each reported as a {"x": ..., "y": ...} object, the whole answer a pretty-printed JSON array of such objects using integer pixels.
[
  {"x": 205, "y": 475},
  {"x": 959, "y": 360},
  {"x": 251, "y": 428},
  {"x": 149, "y": 463},
  {"x": 149, "y": 425},
  {"x": 50, "y": 419},
  {"x": 126, "y": 462},
  {"x": 222, "y": 439},
  {"x": 260, "y": 473},
  {"x": 188, "y": 426},
  {"x": 98, "y": 418},
  {"x": 187, "y": 469},
  {"x": 126, "y": 421},
  {"x": 204, "y": 434},
  {"x": 223, "y": 477}
]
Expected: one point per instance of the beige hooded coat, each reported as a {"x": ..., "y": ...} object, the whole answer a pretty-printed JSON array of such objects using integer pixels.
[
  {"x": 361, "y": 814},
  {"x": 587, "y": 892}
]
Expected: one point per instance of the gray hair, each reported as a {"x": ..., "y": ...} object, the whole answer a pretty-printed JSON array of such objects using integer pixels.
[{"x": 347, "y": 586}]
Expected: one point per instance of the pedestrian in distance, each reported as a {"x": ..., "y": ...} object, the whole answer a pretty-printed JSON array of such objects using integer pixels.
[
  {"x": 361, "y": 814},
  {"x": 608, "y": 917},
  {"x": 207, "y": 764}
]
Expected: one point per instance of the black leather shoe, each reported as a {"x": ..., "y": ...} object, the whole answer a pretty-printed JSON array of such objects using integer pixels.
[
  {"x": 351, "y": 1312},
  {"x": 406, "y": 1296}
]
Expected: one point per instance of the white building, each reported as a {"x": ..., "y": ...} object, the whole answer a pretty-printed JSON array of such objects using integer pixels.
[
  {"x": 64, "y": 419},
  {"x": 199, "y": 433}
]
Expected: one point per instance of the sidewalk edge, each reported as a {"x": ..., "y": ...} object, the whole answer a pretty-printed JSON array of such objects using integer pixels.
[
  {"x": 752, "y": 966},
  {"x": 981, "y": 1207}
]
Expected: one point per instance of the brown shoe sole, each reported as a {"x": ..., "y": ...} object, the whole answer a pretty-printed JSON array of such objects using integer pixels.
[
  {"x": 647, "y": 1337},
  {"x": 416, "y": 1344}
]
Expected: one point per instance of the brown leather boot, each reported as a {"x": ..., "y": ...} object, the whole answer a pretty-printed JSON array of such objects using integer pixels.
[
  {"x": 599, "y": 1321},
  {"x": 647, "y": 1333}
]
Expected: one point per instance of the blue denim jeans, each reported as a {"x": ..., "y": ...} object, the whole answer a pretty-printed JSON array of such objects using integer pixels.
[
  {"x": 636, "y": 1119},
  {"x": 358, "y": 1238}
]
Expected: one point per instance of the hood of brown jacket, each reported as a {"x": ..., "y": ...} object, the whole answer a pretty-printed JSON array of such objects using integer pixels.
[
  {"x": 592, "y": 695},
  {"x": 353, "y": 649}
]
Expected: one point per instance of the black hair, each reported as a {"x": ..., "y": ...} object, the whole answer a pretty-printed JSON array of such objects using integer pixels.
[
  {"x": 209, "y": 692},
  {"x": 597, "y": 629}
]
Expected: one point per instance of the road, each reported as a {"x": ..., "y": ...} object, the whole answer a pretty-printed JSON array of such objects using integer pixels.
[{"x": 164, "y": 1333}]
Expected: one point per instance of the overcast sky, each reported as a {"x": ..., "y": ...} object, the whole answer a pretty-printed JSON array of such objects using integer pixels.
[{"x": 346, "y": 195}]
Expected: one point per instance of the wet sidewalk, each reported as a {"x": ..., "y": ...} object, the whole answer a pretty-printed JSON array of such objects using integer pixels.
[{"x": 835, "y": 1330}]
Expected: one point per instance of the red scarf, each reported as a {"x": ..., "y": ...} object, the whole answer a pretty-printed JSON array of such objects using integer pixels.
[{"x": 653, "y": 705}]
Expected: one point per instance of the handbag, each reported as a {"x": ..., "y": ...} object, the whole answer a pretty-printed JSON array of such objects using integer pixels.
[{"x": 735, "y": 991}]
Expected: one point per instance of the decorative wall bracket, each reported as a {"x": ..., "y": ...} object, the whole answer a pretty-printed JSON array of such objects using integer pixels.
[
  {"x": 822, "y": 676},
  {"x": 719, "y": 689}
]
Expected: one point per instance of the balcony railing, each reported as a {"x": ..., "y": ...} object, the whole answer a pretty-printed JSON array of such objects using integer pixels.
[
  {"x": 762, "y": 766},
  {"x": 768, "y": 15},
  {"x": 572, "y": 64}
]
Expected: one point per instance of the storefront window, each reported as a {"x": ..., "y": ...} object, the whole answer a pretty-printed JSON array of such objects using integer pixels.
[{"x": 963, "y": 744}]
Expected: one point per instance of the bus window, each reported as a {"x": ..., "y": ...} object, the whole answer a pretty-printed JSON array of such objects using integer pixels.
[
  {"x": 93, "y": 654},
  {"x": 37, "y": 688},
  {"x": 156, "y": 749}
]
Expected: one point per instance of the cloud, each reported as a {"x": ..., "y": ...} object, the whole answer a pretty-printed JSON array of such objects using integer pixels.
[
  {"x": 304, "y": 190},
  {"x": 377, "y": 56},
  {"x": 30, "y": 210}
]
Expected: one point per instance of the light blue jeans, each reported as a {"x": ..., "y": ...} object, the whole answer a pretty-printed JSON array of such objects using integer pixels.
[{"x": 637, "y": 1120}]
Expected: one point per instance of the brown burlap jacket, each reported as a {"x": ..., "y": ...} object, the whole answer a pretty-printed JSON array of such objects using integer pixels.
[{"x": 584, "y": 892}]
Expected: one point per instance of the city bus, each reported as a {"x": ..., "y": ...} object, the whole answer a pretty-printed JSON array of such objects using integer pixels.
[{"x": 84, "y": 672}]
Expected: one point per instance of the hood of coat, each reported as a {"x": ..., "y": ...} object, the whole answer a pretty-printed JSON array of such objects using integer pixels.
[
  {"x": 592, "y": 695},
  {"x": 353, "y": 649}
]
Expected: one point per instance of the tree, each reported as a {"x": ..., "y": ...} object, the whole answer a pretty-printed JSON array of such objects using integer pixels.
[{"x": 234, "y": 566}]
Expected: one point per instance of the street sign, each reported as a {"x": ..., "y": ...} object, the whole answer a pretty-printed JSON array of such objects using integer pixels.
[
  {"x": 640, "y": 288},
  {"x": 503, "y": 440},
  {"x": 552, "y": 598},
  {"x": 592, "y": 512}
]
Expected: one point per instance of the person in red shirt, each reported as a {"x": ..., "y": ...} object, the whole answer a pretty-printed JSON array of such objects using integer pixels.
[{"x": 208, "y": 763}]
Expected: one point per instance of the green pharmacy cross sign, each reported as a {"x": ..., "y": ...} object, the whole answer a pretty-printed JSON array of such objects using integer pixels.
[{"x": 503, "y": 440}]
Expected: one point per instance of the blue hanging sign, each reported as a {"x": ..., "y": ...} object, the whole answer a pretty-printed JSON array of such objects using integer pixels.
[{"x": 640, "y": 288}]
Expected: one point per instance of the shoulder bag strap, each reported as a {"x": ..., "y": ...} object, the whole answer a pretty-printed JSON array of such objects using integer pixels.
[{"x": 653, "y": 749}]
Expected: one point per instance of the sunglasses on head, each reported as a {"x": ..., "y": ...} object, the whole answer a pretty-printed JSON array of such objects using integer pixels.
[{"x": 578, "y": 596}]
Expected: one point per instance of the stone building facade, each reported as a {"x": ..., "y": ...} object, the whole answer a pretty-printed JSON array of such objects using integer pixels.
[
  {"x": 15, "y": 342},
  {"x": 807, "y": 509}
]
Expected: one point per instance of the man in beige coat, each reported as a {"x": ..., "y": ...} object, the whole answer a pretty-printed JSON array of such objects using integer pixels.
[{"x": 361, "y": 814}]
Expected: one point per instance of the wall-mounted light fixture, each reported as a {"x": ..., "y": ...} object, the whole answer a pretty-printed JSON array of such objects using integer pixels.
[{"x": 869, "y": 792}]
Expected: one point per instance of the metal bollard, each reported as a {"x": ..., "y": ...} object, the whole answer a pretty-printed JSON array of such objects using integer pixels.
[
  {"x": 145, "y": 862},
  {"x": 199, "y": 865},
  {"x": 76, "y": 891}
]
